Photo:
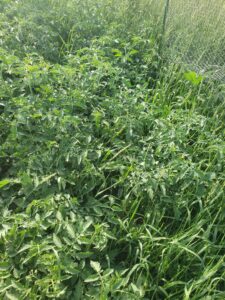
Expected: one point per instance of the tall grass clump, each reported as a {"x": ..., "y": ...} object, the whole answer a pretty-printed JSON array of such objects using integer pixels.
[{"x": 112, "y": 165}]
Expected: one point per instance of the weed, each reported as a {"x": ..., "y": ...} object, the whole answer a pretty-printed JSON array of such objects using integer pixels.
[{"x": 111, "y": 159}]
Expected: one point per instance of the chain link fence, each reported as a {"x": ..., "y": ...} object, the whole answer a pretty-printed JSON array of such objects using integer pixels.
[{"x": 195, "y": 35}]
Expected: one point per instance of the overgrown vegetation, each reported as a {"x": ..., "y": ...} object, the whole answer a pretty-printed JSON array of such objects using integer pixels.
[{"x": 111, "y": 159}]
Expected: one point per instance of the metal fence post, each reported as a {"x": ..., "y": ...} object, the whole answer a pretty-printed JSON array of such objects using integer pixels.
[{"x": 165, "y": 15}]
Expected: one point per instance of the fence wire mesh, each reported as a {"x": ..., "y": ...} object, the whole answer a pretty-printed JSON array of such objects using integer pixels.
[{"x": 195, "y": 35}]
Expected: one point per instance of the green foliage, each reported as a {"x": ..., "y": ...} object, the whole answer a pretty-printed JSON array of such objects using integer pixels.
[
  {"x": 111, "y": 168},
  {"x": 194, "y": 78}
]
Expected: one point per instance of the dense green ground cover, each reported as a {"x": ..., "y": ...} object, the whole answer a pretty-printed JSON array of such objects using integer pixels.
[{"x": 111, "y": 160}]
